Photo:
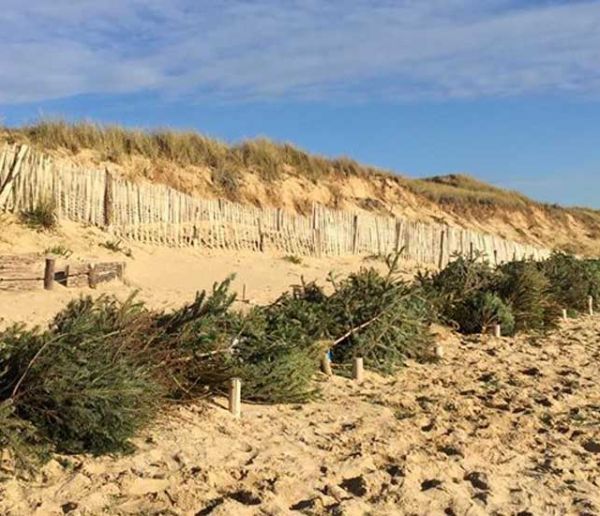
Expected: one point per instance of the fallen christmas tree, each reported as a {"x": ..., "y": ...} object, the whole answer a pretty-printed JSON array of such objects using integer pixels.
[{"x": 102, "y": 368}]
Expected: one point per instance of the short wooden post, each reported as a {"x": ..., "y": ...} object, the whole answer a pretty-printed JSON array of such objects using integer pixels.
[
  {"x": 495, "y": 256},
  {"x": 326, "y": 364},
  {"x": 235, "y": 397},
  {"x": 439, "y": 351},
  {"x": 565, "y": 314},
  {"x": 358, "y": 372},
  {"x": 471, "y": 250},
  {"x": 92, "y": 276},
  {"x": 244, "y": 293},
  {"x": 591, "y": 305},
  {"x": 49, "y": 273},
  {"x": 66, "y": 275},
  {"x": 497, "y": 331}
]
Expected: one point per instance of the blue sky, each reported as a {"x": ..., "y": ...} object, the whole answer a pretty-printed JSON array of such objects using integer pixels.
[{"x": 506, "y": 90}]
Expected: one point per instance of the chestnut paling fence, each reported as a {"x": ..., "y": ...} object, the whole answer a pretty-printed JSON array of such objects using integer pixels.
[{"x": 161, "y": 215}]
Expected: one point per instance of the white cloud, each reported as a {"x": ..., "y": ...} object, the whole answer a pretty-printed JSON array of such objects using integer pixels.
[{"x": 241, "y": 49}]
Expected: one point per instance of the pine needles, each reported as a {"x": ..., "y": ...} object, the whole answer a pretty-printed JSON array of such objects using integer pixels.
[
  {"x": 572, "y": 280},
  {"x": 79, "y": 383},
  {"x": 98, "y": 373}
]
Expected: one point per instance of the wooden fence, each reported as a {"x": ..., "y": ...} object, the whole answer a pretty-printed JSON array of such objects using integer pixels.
[
  {"x": 161, "y": 215},
  {"x": 31, "y": 271}
]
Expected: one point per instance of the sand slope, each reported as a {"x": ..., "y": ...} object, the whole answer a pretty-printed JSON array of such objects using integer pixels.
[
  {"x": 501, "y": 426},
  {"x": 162, "y": 277}
]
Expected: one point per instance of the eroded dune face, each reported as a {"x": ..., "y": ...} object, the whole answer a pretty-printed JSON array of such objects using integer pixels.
[{"x": 500, "y": 425}]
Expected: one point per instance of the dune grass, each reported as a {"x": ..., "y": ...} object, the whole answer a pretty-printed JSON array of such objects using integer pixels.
[
  {"x": 461, "y": 189},
  {"x": 184, "y": 148},
  {"x": 271, "y": 160}
]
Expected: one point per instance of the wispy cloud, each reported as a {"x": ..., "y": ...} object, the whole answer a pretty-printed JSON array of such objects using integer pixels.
[{"x": 241, "y": 49}]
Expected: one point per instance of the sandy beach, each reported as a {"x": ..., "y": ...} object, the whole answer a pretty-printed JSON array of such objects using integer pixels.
[{"x": 500, "y": 426}]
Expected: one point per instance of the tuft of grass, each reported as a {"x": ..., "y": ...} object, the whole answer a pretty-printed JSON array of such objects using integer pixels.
[
  {"x": 116, "y": 246},
  {"x": 461, "y": 191},
  {"x": 59, "y": 250},
  {"x": 228, "y": 181},
  {"x": 42, "y": 217},
  {"x": 293, "y": 259}
]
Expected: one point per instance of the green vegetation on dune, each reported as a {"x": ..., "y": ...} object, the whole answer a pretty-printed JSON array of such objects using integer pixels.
[
  {"x": 464, "y": 190},
  {"x": 114, "y": 143}
]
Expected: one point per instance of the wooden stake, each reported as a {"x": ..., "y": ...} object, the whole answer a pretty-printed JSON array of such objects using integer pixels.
[
  {"x": 591, "y": 305},
  {"x": 317, "y": 242},
  {"x": 120, "y": 270},
  {"x": 92, "y": 276},
  {"x": 442, "y": 240},
  {"x": 358, "y": 372},
  {"x": 564, "y": 313},
  {"x": 439, "y": 351},
  {"x": 355, "y": 234},
  {"x": 497, "y": 331},
  {"x": 49, "y": 273},
  {"x": 235, "y": 397},
  {"x": 326, "y": 365},
  {"x": 244, "y": 293},
  {"x": 397, "y": 235}
]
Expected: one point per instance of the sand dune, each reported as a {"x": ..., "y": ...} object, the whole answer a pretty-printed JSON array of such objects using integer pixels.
[{"x": 501, "y": 426}]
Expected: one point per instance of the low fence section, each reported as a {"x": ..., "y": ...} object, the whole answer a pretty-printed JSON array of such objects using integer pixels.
[{"x": 30, "y": 272}]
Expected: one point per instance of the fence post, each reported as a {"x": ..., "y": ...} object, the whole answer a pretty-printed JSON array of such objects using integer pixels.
[
  {"x": 108, "y": 200},
  {"x": 49, "y": 273},
  {"x": 358, "y": 372},
  {"x": 92, "y": 276},
  {"x": 261, "y": 237},
  {"x": 120, "y": 270},
  {"x": 442, "y": 241},
  {"x": 565, "y": 314},
  {"x": 397, "y": 236},
  {"x": 355, "y": 234},
  {"x": 591, "y": 305},
  {"x": 235, "y": 397},
  {"x": 317, "y": 242}
]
